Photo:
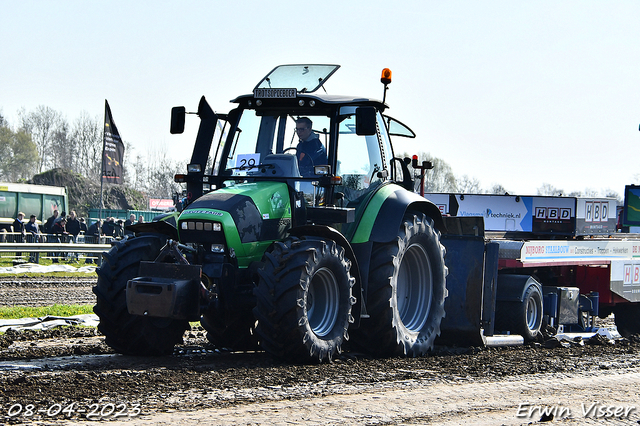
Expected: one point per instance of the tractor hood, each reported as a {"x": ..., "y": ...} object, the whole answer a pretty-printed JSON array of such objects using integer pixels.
[{"x": 260, "y": 211}]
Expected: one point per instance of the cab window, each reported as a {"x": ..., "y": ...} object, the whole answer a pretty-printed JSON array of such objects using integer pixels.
[{"x": 359, "y": 159}]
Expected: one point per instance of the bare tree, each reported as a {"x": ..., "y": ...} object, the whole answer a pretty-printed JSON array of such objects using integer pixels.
[
  {"x": 86, "y": 137},
  {"x": 590, "y": 192},
  {"x": 469, "y": 185},
  {"x": 42, "y": 124},
  {"x": 497, "y": 189},
  {"x": 609, "y": 193},
  {"x": 155, "y": 176},
  {"x": 62, "y": 148},
  {"x": 548, "y": 189}
]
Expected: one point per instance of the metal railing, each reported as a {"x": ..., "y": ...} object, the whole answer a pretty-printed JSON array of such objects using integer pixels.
[{"x": 56, "y": 247}]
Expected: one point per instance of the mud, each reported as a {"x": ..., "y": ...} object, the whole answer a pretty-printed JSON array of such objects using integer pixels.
[
  {"x": 45, "y": 291},
  {"x": 43, "y": 373}
]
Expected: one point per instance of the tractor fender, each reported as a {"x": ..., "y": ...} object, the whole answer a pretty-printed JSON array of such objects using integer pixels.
[
  {"x": 330, "y": 233},
  {"x": 511, "y": 287},
  {"x": 385, "y": 211},
  {"x": 160, "y": 227}
]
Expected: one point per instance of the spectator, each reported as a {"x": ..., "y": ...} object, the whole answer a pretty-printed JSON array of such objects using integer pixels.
[
  {"x": 60, "y": 234},
  {"x": 92, "y": 236},
  {"x": 49, "y": 223},
  {"x": 18, "y": 228},
  {"x": 119, "y": 229},
  {"x": 93, "y": 233},
  {"x": 108, "y": 227},
  {"x": 63, "y": 215},
  {"x": 73, "y": 226},
  {"x": 83, "y": 226},
  {"x": 140, "y": 219},
  {"x": 32, "y": 228},
  {"x": 129, "y": 222},
  {"x": 34, "y": 237}
]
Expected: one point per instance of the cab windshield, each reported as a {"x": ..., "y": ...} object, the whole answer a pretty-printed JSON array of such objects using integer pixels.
[
  {"x": 269, "y": 146},
  {"x": 305, "y": 78},
  {"x": 282, "y": 146}
]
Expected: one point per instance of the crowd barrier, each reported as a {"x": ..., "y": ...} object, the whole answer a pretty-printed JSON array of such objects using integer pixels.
[{"x": 55, "y": 247}]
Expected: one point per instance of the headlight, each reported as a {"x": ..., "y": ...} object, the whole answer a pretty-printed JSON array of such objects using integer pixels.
[{"x": 200, "y": 226}]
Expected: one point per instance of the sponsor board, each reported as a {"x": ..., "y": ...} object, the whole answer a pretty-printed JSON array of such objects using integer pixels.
[
  {"x": 586, "y": 250},
  {"x": 595, "y": 216},
  {"x": 568, "y": 216},
  {"x": 623, "y": 258},
  {"x": 625, "y": 279},
  {"x": 631, "y": 208}
]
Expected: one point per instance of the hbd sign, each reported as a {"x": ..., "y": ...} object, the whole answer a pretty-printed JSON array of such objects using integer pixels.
[
  {"x": 596, "y": 212},
  {"x": 631, "y": 274},
  {"x": 553, "y": 213}
]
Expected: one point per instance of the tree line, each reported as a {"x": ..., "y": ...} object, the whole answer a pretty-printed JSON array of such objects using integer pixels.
[
  {"x": 43, "y": 139},
  {"x": 442, "y": 179}
]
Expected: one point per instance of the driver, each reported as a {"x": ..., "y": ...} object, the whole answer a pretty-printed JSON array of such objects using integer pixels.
[{"x": 310, "y": 151}]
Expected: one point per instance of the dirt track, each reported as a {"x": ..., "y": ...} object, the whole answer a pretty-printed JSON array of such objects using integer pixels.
[{"x": 51, "y": 370}]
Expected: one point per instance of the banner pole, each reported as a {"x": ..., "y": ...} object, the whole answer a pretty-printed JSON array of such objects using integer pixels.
[{"x": 101, "y": 199}]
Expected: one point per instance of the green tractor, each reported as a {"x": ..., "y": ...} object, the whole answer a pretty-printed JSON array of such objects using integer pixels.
[{"x": 299, "y": 231}]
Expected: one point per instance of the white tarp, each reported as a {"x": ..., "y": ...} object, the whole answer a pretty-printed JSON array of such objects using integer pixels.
[
  {"x": 33, "y": 267},
  {"x": 48, "y": 322}
]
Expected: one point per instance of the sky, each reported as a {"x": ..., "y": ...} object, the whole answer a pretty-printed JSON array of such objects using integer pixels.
[{"x": 515, "y": 93}]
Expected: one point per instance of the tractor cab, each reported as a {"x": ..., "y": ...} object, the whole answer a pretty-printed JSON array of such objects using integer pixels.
[{"x": 332, "y": 150}]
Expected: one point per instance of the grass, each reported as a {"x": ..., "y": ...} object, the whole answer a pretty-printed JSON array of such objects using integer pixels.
[
  {"x": 6, "y": 261},
  {"x": 14, "y": 312},
  {"x": 52, "y": 274}
]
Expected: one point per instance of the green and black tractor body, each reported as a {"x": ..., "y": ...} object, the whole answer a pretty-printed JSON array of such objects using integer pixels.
[{"x": 285, "y": 245}]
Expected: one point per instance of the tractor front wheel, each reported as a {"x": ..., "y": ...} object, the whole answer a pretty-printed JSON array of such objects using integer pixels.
[{"x": 125, "y": 333}]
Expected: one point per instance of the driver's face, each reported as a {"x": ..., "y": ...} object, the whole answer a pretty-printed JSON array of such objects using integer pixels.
[{"x": 303, "y": 131}]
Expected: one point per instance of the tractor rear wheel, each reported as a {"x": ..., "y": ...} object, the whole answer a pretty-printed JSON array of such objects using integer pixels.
[
  {"x": 407, "y": 289},
  {"x": 304, "y": 299},
  {"x": 125, "y": 333}
]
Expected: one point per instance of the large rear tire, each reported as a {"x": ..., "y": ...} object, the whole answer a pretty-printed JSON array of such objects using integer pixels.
[
  {"x": 406, "y": 293},
  {"x": 627, "y": 318},
  {"x": 125, "y": 333},
  {"x": 304, "y": 300}
]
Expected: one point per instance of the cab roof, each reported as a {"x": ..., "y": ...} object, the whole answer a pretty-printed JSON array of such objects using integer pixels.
[
  {"x": 330, "y": 100},
  {"x": 294, "y": 85},
  {"x": 305, "y": 78}
]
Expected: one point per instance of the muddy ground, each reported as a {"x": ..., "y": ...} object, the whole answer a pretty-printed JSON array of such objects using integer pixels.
[{"x": 70, "y": 375}]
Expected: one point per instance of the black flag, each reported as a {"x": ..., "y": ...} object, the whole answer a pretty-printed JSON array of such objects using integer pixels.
[{"x": 112, "y": 150}]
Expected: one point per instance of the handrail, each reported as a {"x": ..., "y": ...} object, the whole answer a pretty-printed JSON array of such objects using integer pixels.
[{"x": 51, "y": 247}]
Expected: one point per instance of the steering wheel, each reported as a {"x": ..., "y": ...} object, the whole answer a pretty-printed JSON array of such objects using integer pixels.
[{"x": 291, "y": 148}]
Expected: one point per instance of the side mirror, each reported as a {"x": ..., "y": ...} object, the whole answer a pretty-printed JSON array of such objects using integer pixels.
[
  {"x": 366, "y": 121},
  {"x": 407, "y": 180},
  {"x": 177, "y": 120}
]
